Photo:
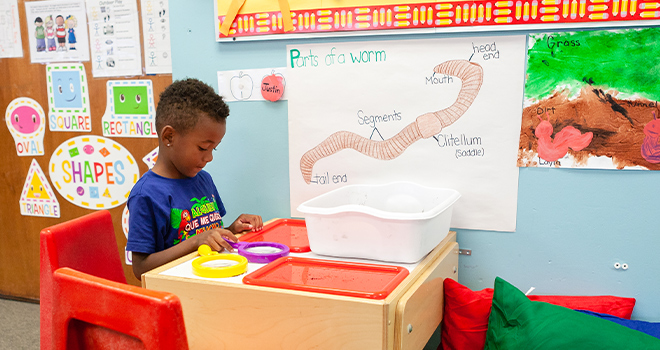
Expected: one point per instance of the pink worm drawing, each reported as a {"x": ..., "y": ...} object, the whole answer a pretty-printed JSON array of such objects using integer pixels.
[
  {"x": 551, "y": 150},
  {"x": 651, "y": 144},
  {"x": 425, "y": 126}
]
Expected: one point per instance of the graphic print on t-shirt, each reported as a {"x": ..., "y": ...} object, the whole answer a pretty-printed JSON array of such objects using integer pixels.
[{"x": 202, "y": 216}]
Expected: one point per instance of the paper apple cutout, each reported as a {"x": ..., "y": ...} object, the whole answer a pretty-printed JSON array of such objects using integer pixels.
[
  {"x": 272, "y": 87},
  {"x": 241, "y": 86}
]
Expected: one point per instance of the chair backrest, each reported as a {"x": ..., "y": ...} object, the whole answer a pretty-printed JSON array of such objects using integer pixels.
[
  {"x": 87, "y": 244},
  {"x": 94, "y": 313}
]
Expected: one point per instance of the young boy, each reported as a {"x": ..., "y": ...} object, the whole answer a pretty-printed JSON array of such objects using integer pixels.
[
  {"x": 175, "y": 207},
  {"x": 40, "y": 34},
  {"x": 60, "y": 33}
]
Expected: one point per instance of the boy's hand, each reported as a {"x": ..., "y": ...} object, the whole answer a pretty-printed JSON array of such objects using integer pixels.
[
  {"x": 246, "y": 222},
  {"x": 216, "y": 239}
]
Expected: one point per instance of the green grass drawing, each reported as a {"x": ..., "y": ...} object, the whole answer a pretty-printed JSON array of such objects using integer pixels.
[{"x": 624, "y": 60}]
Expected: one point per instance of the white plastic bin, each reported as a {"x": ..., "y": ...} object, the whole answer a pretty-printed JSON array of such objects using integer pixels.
[{"x": 395, "y": 222}]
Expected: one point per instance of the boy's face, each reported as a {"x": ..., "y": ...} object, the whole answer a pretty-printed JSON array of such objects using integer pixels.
[
  {"x": 193, "y": 149},
  {"x": 59, "y": 21}
]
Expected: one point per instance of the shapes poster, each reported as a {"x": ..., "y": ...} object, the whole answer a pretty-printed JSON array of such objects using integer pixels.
[
  {"x": 156, "y": 36},
  {"x": 591, "y": 100},
  {"x": 27, "y": 124},
  {"x": 10, "y": 26},
  {"x": 37, "y": 197},
  {"x": 68, "y": 98},
  {"x": 438, "y": 112},
  {"x": 93, "y": 172},
  {"x": 131, "y": 110},
  {"x": 58, "y": 31},
  {"x": 114, "y": 38}
]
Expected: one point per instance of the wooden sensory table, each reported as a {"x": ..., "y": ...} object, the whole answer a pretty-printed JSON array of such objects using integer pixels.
[{"x": 226, "y": 315}]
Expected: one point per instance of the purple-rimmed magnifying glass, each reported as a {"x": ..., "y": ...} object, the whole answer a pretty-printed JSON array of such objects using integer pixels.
[{"x": 260, "y": 252}]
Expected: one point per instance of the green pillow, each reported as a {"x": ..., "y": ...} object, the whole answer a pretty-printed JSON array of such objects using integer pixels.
[{"x": 516, "y": 322}]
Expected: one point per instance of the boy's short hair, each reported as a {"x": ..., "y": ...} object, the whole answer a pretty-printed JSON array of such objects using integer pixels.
[{"x": 182, "y": 102}]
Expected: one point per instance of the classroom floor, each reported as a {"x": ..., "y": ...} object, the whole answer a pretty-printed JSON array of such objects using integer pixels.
[{"x": 19, "y": 325}]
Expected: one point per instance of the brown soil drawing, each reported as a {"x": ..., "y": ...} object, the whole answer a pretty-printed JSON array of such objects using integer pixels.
[{"x": 617, "y": 126}]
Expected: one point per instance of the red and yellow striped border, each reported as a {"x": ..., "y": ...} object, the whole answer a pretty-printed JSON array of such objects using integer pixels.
[{"x": 444, "y": 14}]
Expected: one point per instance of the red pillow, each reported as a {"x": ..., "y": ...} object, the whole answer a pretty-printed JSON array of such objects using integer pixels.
[{"x": 465, "y": 318}]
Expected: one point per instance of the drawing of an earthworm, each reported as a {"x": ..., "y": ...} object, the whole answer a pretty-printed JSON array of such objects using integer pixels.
[
  {"x": 651, "y": 144},
  {"x": 551, "y": 150},
  {"x": 425, "y": 126}
]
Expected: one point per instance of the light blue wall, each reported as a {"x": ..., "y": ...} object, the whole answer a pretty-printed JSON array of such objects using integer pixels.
[{"x": 573, "y": 225}]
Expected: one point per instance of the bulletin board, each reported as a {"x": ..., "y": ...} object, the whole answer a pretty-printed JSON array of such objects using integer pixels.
[{"x": 19, "y": 253}]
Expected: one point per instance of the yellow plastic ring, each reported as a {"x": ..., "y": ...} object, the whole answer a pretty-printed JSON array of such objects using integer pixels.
[{"x": 219, "y": 272}]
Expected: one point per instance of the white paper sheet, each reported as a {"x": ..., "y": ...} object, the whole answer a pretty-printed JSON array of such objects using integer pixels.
[
  {"x": 156, "y": 36},
  {"x": 43, "y": 20},
  {"x": 245, "y": 84},
  {"x": 10, "y": 27},
  {"x": 114, "y": 38}
]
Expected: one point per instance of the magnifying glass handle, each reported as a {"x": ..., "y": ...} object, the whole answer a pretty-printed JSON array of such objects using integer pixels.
[
  {"x": 235, "y": 245},
  {"x": 205, "y": 250}
]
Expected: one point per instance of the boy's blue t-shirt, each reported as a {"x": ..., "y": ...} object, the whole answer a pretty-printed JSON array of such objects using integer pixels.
[{"x": 164, "y": 212}]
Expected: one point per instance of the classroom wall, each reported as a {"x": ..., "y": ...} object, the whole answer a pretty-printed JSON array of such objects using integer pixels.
[
  {"x": 19, "y": 236},
  {"x": 572, "y": 225}
]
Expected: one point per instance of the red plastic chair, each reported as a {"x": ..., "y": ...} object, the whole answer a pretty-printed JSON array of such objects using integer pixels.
[
  {"x": 95, "y": 313},
  {"x": 87, "y": 244}
]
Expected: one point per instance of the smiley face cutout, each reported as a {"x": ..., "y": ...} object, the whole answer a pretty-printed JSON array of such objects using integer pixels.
[
  {"x": 130, "y": 100},
  {"x": 26, "y": 122},
  {"x": 37, "y": 189},
  {"x": 37, "y": 197},
  {"x": 26, "y": 119},
  {"x": 130, "y": 110},
  {"x": 68, "y": 98},
  {"x": 67, "y": 90}
]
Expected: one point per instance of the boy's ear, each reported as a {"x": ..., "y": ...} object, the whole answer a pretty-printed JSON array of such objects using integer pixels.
[{"x": 167, "y": 134}]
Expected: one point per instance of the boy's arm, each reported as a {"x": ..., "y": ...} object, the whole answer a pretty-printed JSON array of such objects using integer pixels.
[{"x": 143, "y": 262}]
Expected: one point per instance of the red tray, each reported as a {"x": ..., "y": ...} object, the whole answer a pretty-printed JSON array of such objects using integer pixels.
[
  {"x": 329, "y": 276},
  {"x": 290, "y": 232}
]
